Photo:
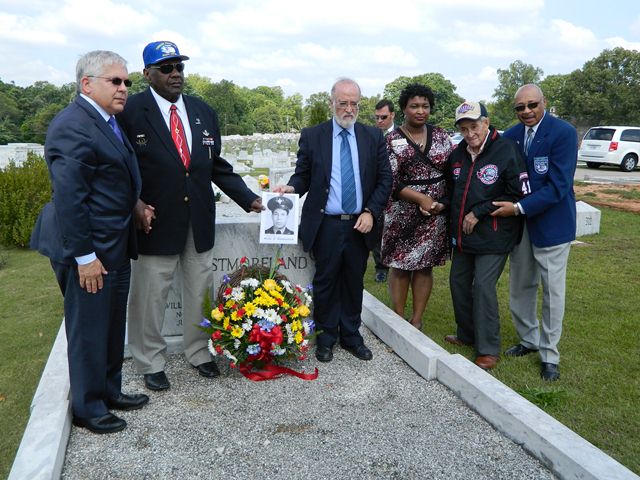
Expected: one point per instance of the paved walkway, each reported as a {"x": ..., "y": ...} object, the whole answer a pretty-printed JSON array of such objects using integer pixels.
[{"x": 358, "y": 420}]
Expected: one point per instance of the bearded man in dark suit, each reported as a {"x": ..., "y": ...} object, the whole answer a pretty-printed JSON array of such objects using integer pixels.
[
  {"x": 177, "y": 141},
  {"x": 88, "y": 234},
  {"x": 344, "y": 168}
]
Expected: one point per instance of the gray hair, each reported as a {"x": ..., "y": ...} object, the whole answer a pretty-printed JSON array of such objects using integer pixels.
[
  {"x": 344, "y": 80},
  {"x": 94, "y": 64}
]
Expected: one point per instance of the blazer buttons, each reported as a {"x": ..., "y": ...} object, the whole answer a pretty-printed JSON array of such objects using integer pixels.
[
  {"x": 322, "y": 210},
  {"x": 186, "y": 174},
  {"x": 186, "y": 199},
  {"x": 327, "y": 190}
]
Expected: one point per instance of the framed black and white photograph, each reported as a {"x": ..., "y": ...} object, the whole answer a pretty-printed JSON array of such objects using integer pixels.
[{"x": 279, "y": 221}]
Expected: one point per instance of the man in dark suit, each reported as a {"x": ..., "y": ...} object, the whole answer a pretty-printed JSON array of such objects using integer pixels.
[
  {"x": 280, "y": 208},
  {"x": 344, "y": 168},
  {"x": 87, "y": 233},
  {"x": 550, "y": 148},
  {"x": 177, "y": 141}
]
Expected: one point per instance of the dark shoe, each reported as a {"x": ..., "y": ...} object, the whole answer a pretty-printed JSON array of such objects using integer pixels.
[
  {"x": 128, "y": 402},
  {"x": 518, "y": 350},
  {"x": 359, "y": 351},
  {"x": 487, "y": 362},
  {"x": 324, "y": 354},
  {"x": 108, "y": 423},
  {"x": 381, "y": 276},
  {"x": 454, "y": 340},
  {"x": 208, "y": 369},
  {"x": 156, "y": 381},
  {"x": 550, "y": 372}
]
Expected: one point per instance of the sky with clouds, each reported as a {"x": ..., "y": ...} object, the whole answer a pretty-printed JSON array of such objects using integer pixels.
[{"x": 303, "y": 46}]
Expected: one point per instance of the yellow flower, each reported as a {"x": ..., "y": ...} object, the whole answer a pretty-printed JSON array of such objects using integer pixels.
[
  {"x": 250, "y": 309},
  {"x": 234, "y": 315},
  {"x": 230, "y": 303},
  {"x": 270, "y": 284},
  {"x": 296, "y": 326},
  {"x": 299, "y": 337},
  {"x": 225, "y": 323},
  {"x": 304, "y": 311},
  {"x": 216, "y": 314},
  {"x": 237, "y": 331}
]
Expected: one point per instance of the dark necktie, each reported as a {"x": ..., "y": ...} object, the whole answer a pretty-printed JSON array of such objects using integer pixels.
[
  {"x": 348, "y": 179},
  {"x": 179, "y": 138},
  {"x": 114, "y": 126},
  {"x": 527, "y": 142}
]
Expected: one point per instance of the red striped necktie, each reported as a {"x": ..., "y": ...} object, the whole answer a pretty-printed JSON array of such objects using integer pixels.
[{"x": 180, "y": 140}]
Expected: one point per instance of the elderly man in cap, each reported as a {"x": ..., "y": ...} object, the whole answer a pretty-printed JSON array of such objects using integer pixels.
[
  {"x": 484, "y": 168},
  {"x": 280, "y": 208},
  {"x": 176, "y": 138}
]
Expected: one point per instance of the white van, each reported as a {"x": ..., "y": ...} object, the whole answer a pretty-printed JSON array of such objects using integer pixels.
[{"x": 611, "y": 145}]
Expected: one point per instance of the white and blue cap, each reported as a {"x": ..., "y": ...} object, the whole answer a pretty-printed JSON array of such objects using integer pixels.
[
  {"x": 157, "y": 52},
  {"x": 470, "y": 111}
]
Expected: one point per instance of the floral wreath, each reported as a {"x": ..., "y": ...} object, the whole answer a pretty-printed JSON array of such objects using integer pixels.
[{"x": 260, "y": 319}]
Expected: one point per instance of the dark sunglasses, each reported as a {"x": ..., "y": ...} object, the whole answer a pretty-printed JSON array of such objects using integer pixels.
[
  {"x": 381, "y": 117},
  {"x": 117, "y": 81},
  {"x": 530, "y": 106},
  {"x": 167, "y": 68}
]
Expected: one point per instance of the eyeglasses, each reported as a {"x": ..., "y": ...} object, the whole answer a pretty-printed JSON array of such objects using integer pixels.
[
  {"x": 353, "y": 105},
  {"x": 530, "y": 106},
  {"x": 381, "y": 117},
  {"x": 117, "y": 81},
  {"x": 167, "y": 68}
]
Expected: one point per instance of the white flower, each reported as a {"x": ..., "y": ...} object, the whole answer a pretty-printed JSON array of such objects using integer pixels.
[
  {"x": 236, "y": 343},
  {"x": 304, "y": 343},
  {"x": 237, "y": 294},
  {"x": 277, "y": 350},
  {"x": 250, "y": 282},
  {"x": 247, "y": 326},
  {"x": 228, "y": 354},
  {"x": 287, "y": 286},
  {"x": 272, "y": 316}
]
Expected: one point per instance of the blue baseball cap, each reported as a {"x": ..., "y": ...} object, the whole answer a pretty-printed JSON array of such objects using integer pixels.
[{"x": 156, "y": 52}]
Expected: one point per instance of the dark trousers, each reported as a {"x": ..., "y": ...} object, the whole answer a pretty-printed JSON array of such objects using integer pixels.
[
  {"x": 473, "y": 281},
  {"x": 341, "y": 259},
  {"x": 377, "y": 256},
  {"x": 95, "y": 327}
]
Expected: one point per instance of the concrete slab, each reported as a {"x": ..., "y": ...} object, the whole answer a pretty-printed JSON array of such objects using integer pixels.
[{"x": 587, "y": 219}]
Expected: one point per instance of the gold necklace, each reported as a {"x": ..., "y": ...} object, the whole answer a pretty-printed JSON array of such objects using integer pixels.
[{"x": 405, "y": 130}]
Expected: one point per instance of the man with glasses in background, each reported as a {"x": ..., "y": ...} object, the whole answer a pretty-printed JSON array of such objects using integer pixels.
[
  {"x": 384, "y": 117},
  {"x": 177, "y": 141},
  {"x": 344, "y": 168},
  {"x": 549, "y": 146},
  {"x": 86, "y": 230}
]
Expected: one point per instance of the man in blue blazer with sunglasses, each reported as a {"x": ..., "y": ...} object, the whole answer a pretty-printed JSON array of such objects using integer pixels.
[
  {"x": 550, "y": 149},
  {"x": 87, "y": 231},
  {"x": 177, "y": 142}
]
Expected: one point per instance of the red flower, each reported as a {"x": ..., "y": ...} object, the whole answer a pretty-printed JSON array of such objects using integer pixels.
[
  {"x": 280, "y": 302},
  {"x": 241, "y": 312},
  {"x": 218, "y": 349},
  {"x": 298, "y": 288},
  {"x": 232, "y": 364},
  {"x": 217, "y": 335},
  {"x": 284, "y": 318},
  {"x": 244, "y": 261},
  {"x": 281, "y": 262},
  {"x": 298, "y": 300},
  {"x": 227, "y": 291}
]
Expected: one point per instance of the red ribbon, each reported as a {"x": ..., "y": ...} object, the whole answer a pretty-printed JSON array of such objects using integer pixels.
[{"x": 270, "y": 372}]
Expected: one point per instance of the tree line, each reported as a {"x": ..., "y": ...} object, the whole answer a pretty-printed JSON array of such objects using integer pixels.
[{"x": 606, "y": 90}]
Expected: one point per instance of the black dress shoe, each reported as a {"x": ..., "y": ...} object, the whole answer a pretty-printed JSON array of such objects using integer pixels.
[
  {"x": 108, "y": 423},
  {"x": 156, "y": 381},
  {"x": 324, "y": 354},
  {"x": 128, "y": 402},
  {"x": 519, "y": 350},
  {"x": 359, "y": 351},
  {"x": 550, "y": 372},
  {"x": 208, "y": 369}
]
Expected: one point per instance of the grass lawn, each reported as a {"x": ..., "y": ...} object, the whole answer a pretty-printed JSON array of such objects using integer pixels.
[
  {"x": 597, "y": 396},
  {"x": 598, "y": 393},
  {"x": 30, "y": 316}
]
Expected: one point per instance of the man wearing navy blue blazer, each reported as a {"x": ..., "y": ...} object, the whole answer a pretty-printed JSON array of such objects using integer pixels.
[
  {"x": 344, "y": 169},
  {"x": 88, "y": 234},
  {"x": 550, "y": 148},
  {"x": 177, "y": 142}
]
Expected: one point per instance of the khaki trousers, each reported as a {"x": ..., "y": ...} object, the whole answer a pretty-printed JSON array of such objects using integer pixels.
[{"x": 151, "y": 279}]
